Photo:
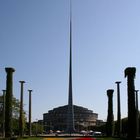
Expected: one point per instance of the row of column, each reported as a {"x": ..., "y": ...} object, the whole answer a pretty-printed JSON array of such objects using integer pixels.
[
  {"x": 8, "y": 96},
  {"x": 133, "y": 113}
]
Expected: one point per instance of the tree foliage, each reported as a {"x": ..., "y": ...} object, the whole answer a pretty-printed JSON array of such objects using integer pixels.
[
  {"x": 37, "y": 128},
  {"x": 15, "y": 115},
  {"x": 15, "y": 119}
]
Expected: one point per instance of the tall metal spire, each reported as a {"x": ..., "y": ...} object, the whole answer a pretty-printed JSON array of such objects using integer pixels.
[
  {"x": 70, "y": 64},
  {"x": 70, "y": 115}
]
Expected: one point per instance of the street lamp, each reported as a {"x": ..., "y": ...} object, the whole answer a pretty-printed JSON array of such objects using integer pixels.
[
  {"x": 21, "y": 110},
  {"x": 30, "y": 111},
  {"x": 119, "y": 109},
  {"x": 137, "y": 113},
  {"x": 4, "y": 92}
]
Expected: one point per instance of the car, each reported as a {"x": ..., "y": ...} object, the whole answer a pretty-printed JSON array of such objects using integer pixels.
[{"x": 97, "y": 133}]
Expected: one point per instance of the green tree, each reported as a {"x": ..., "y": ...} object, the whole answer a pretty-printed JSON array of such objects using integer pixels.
[
  {"x": 15, "y": 115},
  {"x": 15, "y": 118},
  {"x": 37, "y": 128}
]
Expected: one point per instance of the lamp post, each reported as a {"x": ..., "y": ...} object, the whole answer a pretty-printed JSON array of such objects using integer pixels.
[
  {"x": 137, "y": 113},
  {"x": 4, "y": 92},
  {"x": 30, "y": 111},
  {"x": 21, "y": 110},
  {"x": 119, "y": 109}
]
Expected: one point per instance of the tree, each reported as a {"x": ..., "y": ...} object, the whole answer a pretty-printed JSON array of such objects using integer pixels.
[
  {"x": 15, "y": 118},
  {"x": 15, "y": 115},
  {"x": 37, "y": 128}
]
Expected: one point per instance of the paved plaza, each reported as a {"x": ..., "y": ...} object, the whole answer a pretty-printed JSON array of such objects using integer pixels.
[{"x": 70, "y": 138}]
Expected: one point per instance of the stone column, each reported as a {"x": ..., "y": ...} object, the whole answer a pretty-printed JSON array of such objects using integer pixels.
[
  {"x": 137, "y": 114},
  {"x": 130, "y": 74},
  {"x": 30, "y": 111},
  {"x": 4, "y": 92},
  {"x": 21, "y": 110},
  {"x": 110, "y": 117},
  {"x": 119, "y": 110},
  {"x": 8, "y": 102}
]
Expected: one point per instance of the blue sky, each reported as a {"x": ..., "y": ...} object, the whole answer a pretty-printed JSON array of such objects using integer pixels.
[{"x": 34, "y": 39}]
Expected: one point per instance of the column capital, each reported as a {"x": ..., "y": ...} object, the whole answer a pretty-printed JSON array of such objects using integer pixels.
[
  {"x": 22, "y": 81},
  {"x": 136, "y": 91},
  {"x": 110, "y": 92},
  {"x": 30, "y": 90},
  {"x": 117, "y": 82},
  {"x": 9, "y": 69},
  {"x": 4, "y": 90},
  {"x": 130, "y": 71}
]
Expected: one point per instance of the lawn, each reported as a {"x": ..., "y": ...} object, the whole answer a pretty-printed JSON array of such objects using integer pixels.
[
  {"x": 37, "y": 138},
  {"x": 109, "y": 139},
  {"x": 32, "y": 138}
]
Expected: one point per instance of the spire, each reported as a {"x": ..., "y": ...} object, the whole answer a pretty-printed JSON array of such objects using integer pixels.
[
  {"x": 70, "y": 65},
  {"x": 70, "y": 115}
]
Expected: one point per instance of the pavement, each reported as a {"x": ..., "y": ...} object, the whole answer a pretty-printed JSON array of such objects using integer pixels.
[{"x": 85, "y": 138}]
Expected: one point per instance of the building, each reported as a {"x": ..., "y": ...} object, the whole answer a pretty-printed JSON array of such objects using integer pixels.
[
  {"x": 56, "y": 119},
  {"x": 100, "y": 123}
]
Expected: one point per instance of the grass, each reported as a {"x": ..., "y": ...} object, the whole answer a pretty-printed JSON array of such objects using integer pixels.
[
  {"x": 109, "y": 139},
  {"x": 37, "y": 138},
  {"x": 32, "y": 138}
]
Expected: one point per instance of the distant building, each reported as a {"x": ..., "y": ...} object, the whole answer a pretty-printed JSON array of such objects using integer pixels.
[
  {"x": 40, "y": 122},
  {"x": 100, "y": 123},
  {"x": 56, "y": 119}
]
